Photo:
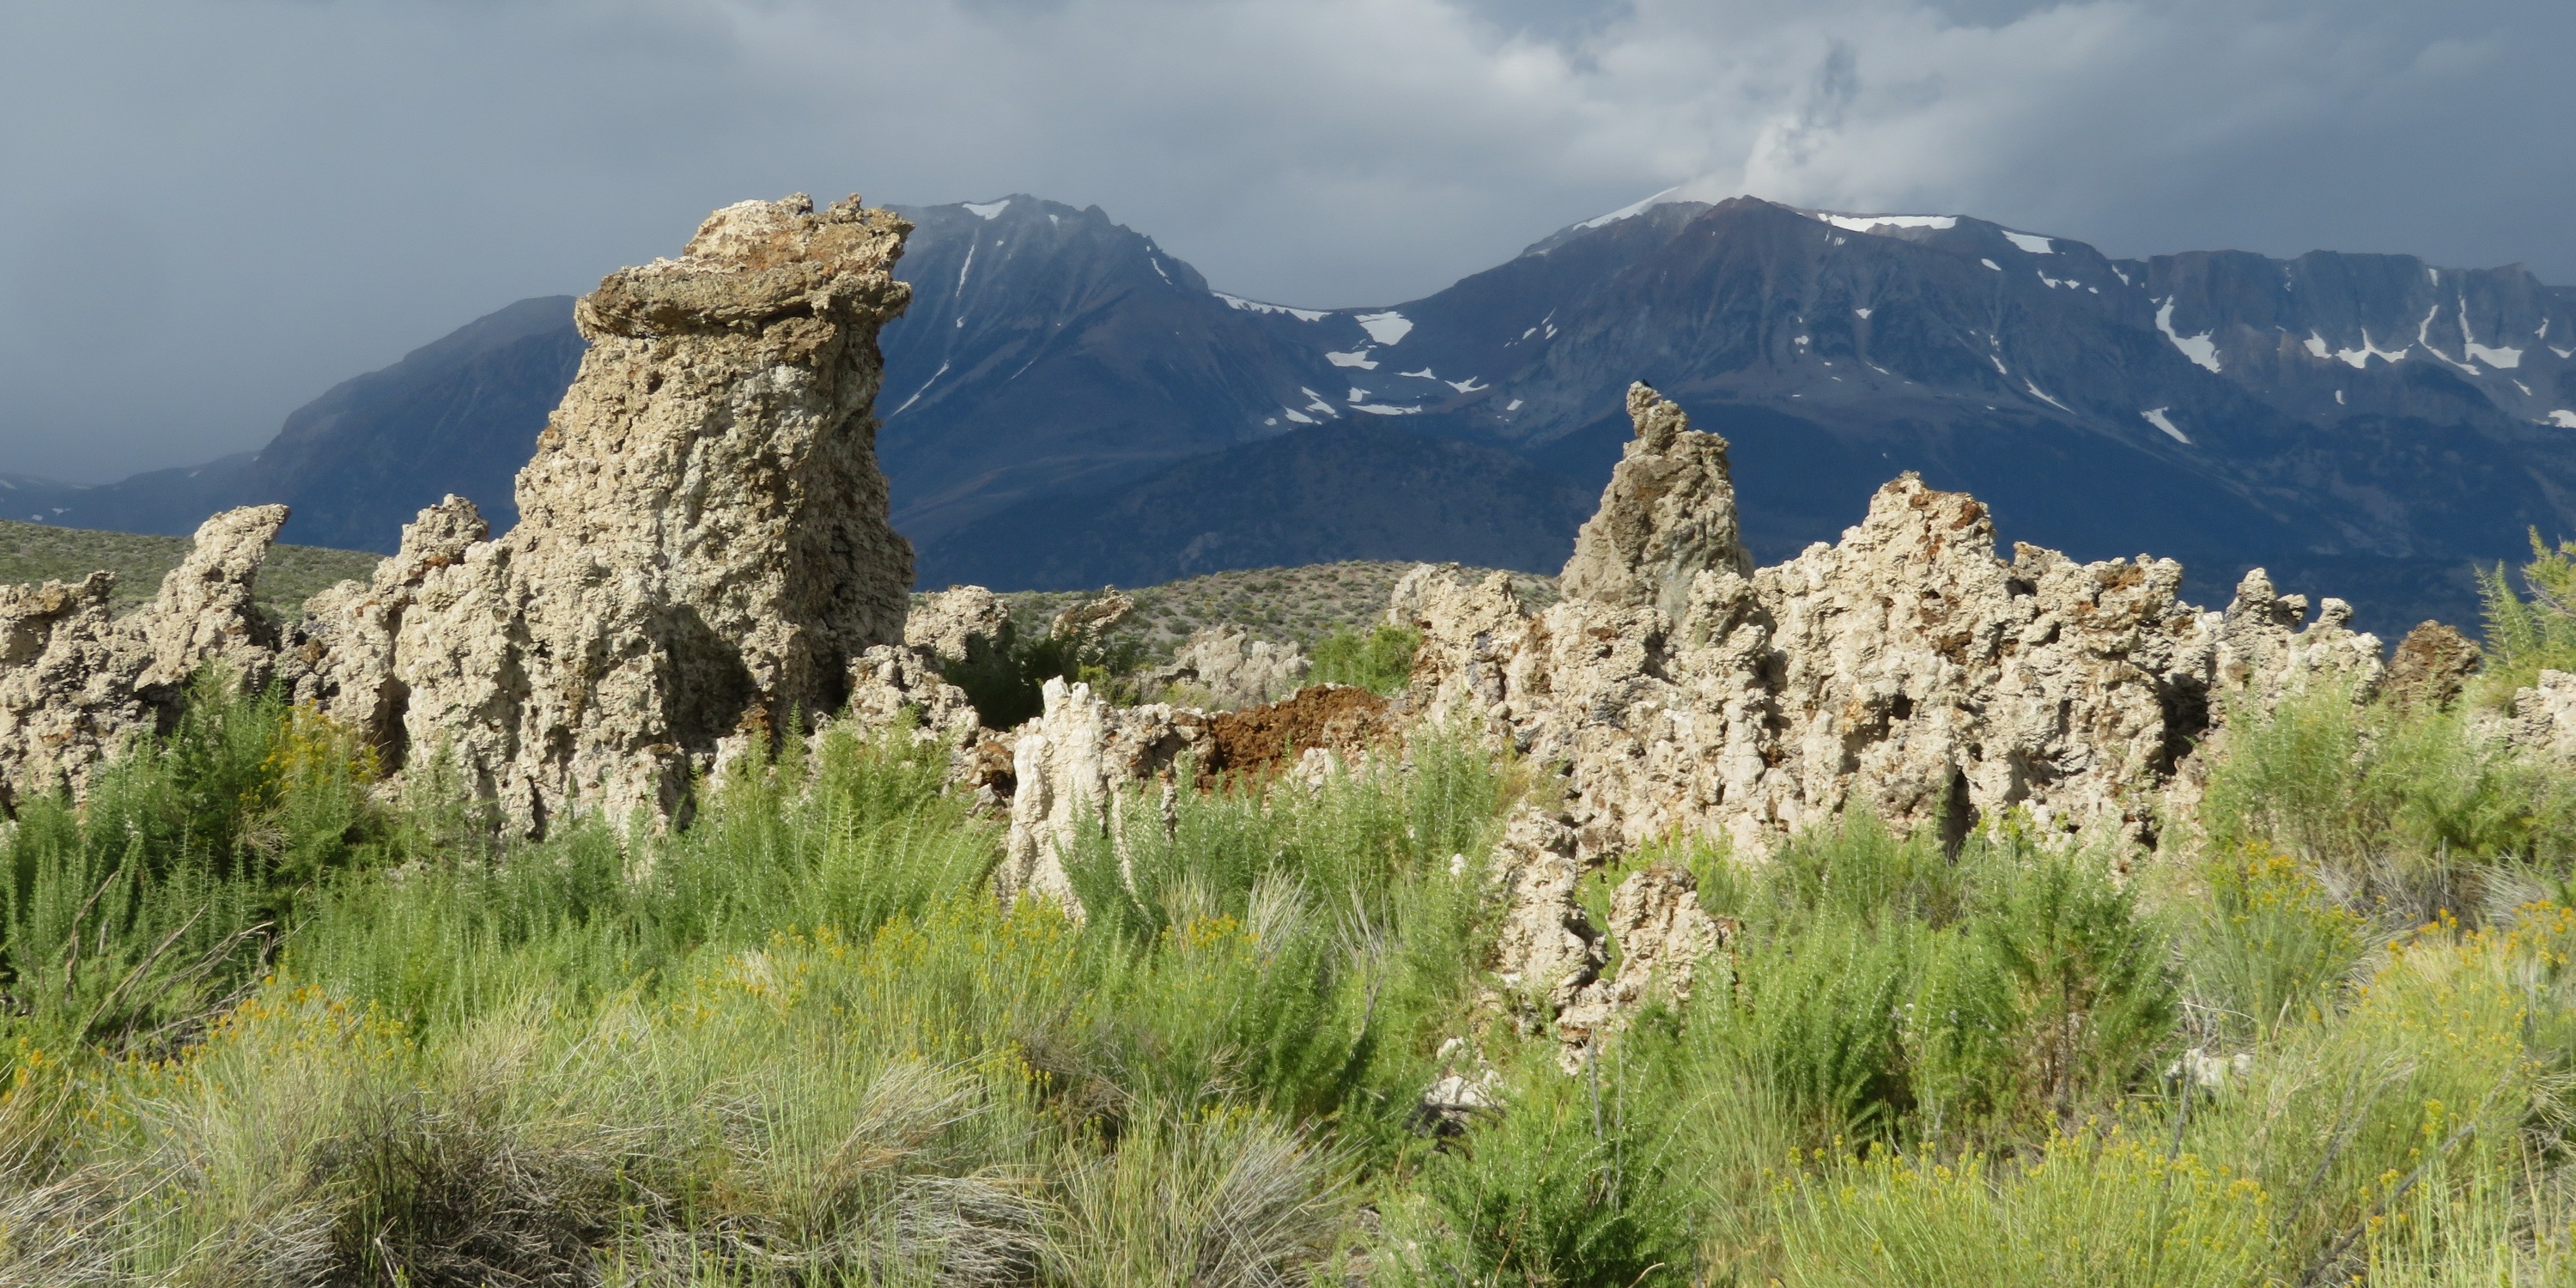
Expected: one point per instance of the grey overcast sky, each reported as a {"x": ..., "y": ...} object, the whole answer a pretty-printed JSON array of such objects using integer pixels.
[{"x": 210, "y": 211}]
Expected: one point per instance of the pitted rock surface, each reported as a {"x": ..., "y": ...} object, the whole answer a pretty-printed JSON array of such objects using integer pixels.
[
  {"x": 1662, "y": 934},
  {"x": 892, "y": 680},
  {"x": 945, "y": 622},
  {"x": 702, "y": 551},
  {"x": 2544, "y": 718},
  {"x": 1668, "y": 514},
  {"x": 340, "y": 657},
  {"x": 205, "y": 612},
  {"x": 66, "y": 686},
  {"x": 2432, "y": 667},
  {"x": 1547, "y": 949}
]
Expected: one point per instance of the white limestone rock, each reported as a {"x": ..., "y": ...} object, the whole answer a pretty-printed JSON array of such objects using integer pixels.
[{"x": 1236, "y": 669}]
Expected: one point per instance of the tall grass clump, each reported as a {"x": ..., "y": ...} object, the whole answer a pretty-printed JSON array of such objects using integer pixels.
[
  {"x": 1575, "y": 1182},
  {"x": 1378, "y": 660},
  {"x": 124, "y": 917},
  {"x": 1885, "y": 991},
  {"x": 2265, "y": 942},
  {"x": 2405, "y": 811},
  {"x": 2524, "y": 636},
  {"x": 1348, "y": 917}
]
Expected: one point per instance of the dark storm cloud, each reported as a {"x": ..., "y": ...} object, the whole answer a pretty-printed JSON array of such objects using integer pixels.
[{"x": 214, "y": 210}]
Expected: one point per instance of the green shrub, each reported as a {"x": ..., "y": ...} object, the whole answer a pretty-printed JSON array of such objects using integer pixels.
[
  {"x": 2524, "y": 636},
  {"x": 2405, "y": 810},
  {"x": 1310, "y": 948},
  {"x": 2266, "y": 943},
  {"x": 1004, "y": 678},
  {"x": 2093, "y": 999},
  {"x": 125, "y": 915},
  {"x": 2111, "y": 1209},
  {"x": 1887, "y": 992},
  {"x": 1572, "y": 1184},
  {"x": 1380, "y": 660}
]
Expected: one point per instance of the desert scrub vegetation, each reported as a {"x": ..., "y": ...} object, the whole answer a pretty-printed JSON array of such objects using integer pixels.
[
  {"x": 265, "y": 1026},
  {"x": 32, "y": 552},
  {"x": 1300, "y": 606}
]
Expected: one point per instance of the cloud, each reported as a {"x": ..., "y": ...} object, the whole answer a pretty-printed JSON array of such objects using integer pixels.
[{"x": 217, "y": 209}]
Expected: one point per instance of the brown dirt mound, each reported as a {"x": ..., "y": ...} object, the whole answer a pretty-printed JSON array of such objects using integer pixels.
[{"x": 1269, "y": 738}]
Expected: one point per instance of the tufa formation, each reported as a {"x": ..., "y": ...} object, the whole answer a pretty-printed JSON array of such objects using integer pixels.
[
  {"x": 1906, "y": 669},
  {"x": 702, "y": 556}
]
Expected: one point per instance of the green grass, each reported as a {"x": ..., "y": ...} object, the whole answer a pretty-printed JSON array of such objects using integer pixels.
[
  {"x": 2532, "y": 629},
  {"x": 1380, "y": 660},
  {"x": 35, "y": 552},
  {"x": 264, "y": 1026}
]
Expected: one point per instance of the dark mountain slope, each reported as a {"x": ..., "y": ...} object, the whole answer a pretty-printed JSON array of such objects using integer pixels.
[
  {"x": 2368, "y": 420},
  {"x": 473, "y": 402},
  {"x": 1326, "y": 493},
  {"x": 460, "y": 415},
  {"x": 1049, "y": 349}
]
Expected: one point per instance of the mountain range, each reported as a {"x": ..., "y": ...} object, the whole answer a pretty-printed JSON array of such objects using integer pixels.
[{"x": 1068, "y": 404}]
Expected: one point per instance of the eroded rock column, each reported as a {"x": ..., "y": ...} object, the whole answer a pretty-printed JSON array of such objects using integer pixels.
[{"x": 702, "y": 549}]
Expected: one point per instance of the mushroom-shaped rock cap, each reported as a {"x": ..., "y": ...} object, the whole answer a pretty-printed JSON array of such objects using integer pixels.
[{"x": 754, "y": 263}]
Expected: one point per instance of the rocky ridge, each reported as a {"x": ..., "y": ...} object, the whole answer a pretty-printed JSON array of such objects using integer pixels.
[
  {"x": 1907, "y": 668},
  {"x": 76, "y": 684}
]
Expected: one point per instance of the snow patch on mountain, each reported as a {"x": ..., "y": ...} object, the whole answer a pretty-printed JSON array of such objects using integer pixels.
[
  {"x": 1357, "y": 358},
  {"x": 917, "y": 393},
  {"x": 2034, "y": 245},
  {"x": 1871, "y": 223},
  {"x": 2498, "y": 358},
  {"x": 2158, "y": 419},
  {"x": 2563, "y": 418},
  {"x": 1385, "y": 328},
  {"x": 2199, "y": 348},
  {"x": 1633, "y": 209},
  {"x": 1256, "y": 306},
  {"x": 987, "y": 209}
]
